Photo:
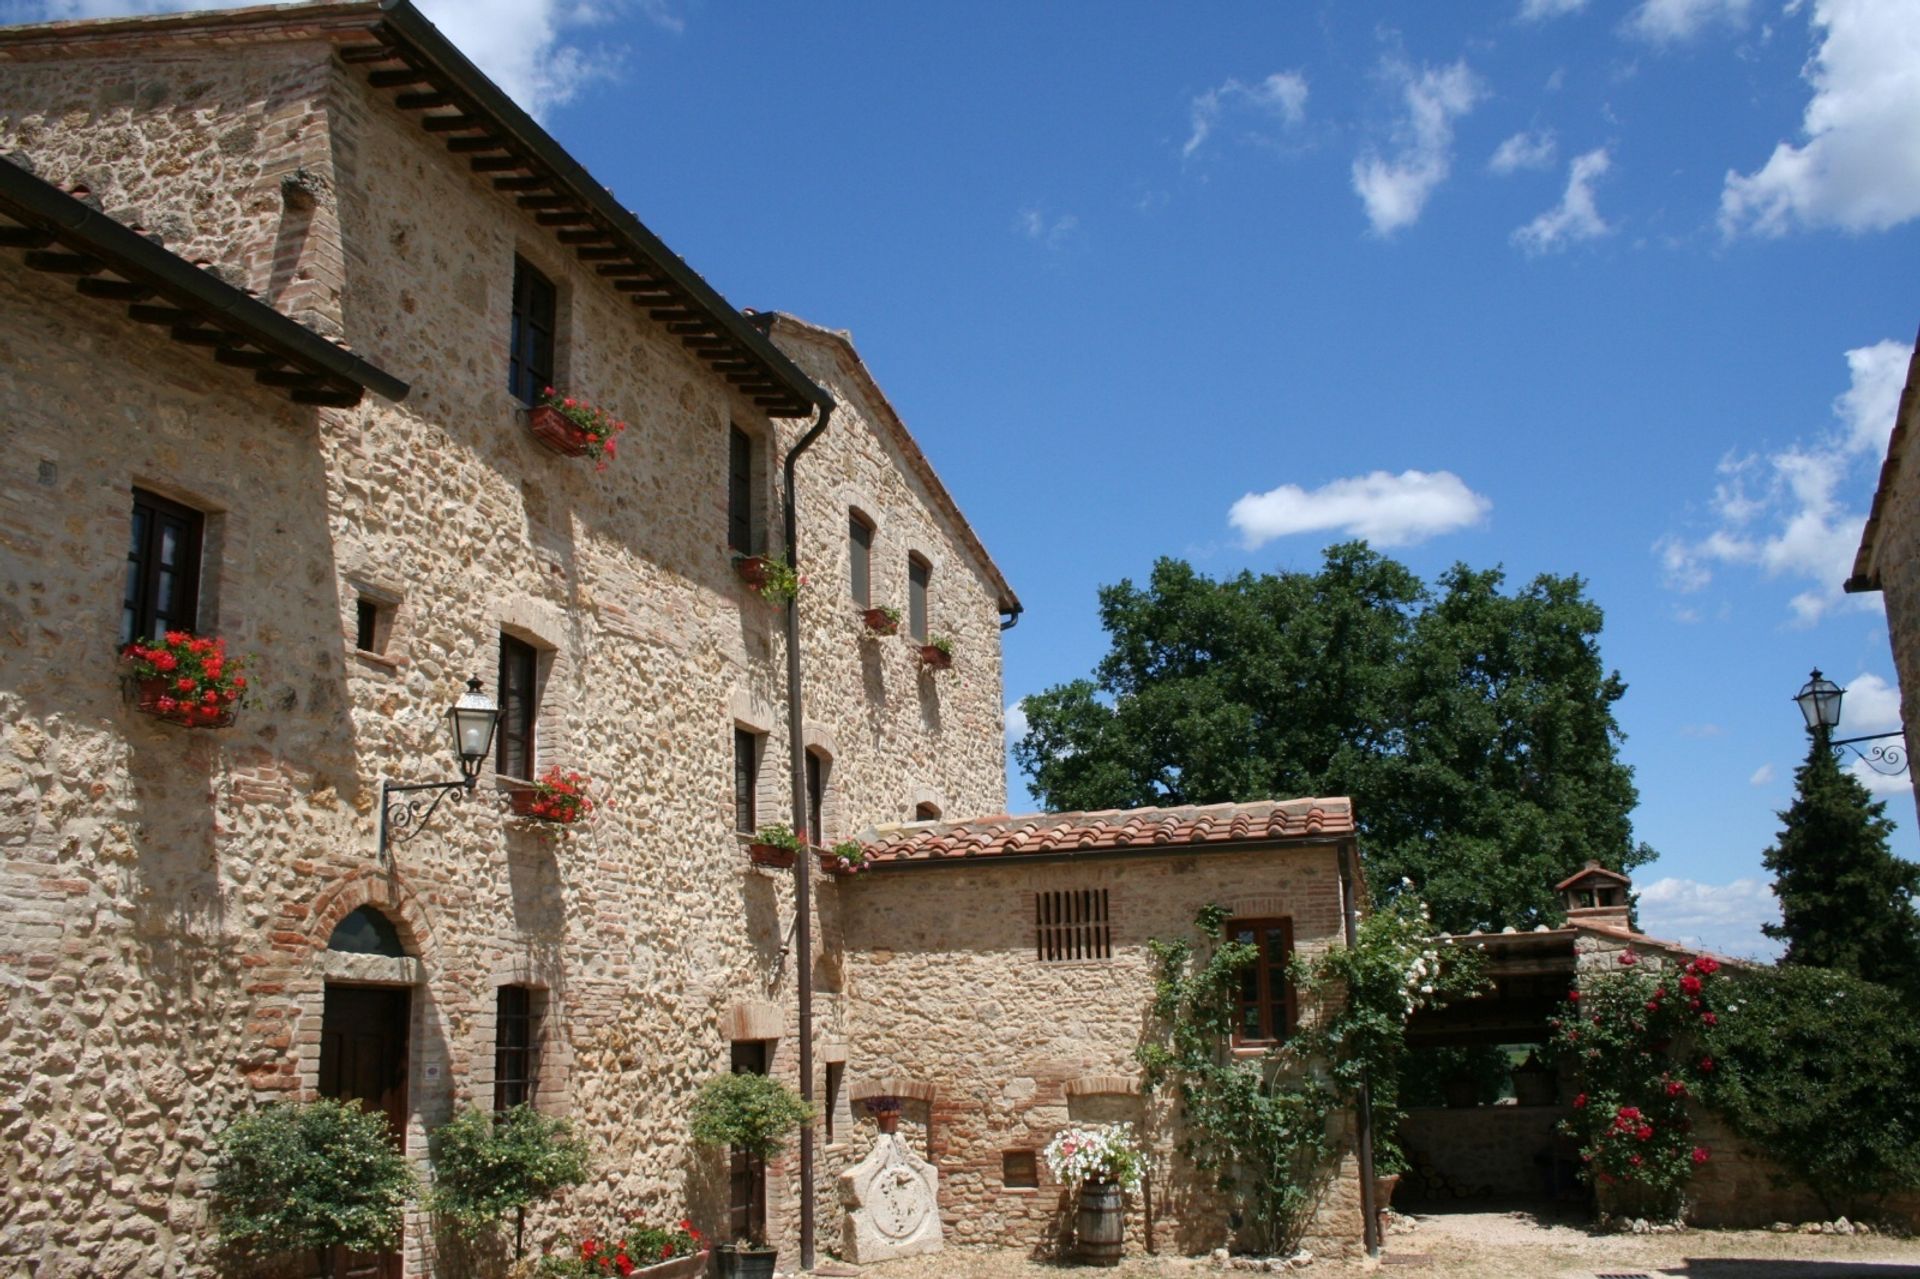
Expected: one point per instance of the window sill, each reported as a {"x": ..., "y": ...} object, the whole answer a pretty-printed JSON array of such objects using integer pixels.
[
  {"x": 1023, "y": 1191},
  {"x": 380, "y": 660},
  {"x": 1245, "y": 1052}
]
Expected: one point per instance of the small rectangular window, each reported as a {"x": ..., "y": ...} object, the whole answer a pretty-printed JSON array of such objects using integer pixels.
[
  {"x": 530, "y": 340},
  {"x": 835, "y": 1098},
  {"x": 860, "y": 560},
  {"x": 366, "y": 625},
  {"x": 816, "y": 798},
  {"x": 162, "y": 590},
  {"x": 519, "y": 707},
  {"x": 739, "y": 491},
  {"x": 516, "y": 1047},
  {"x": 746, "y": 779},
  {"x": 919, "y": 574},
  {"x": 1266, "y": 1012},
  {"x": 1019, "y": 1170},
  {"x": 1072, "y": 925}
]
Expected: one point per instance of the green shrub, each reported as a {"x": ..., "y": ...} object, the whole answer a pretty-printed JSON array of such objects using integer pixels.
[
  {"x": 754, "y": 1113},
  {"x": 1821, "y": 1070},
  {"x": 296, "y": 1177},
  {"x": 486, "y": 1166}
]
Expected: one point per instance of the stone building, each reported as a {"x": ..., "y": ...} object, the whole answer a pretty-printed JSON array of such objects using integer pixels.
[
  {"x": 1889, "y": 557},
  {"x": 276, "y": 289}
]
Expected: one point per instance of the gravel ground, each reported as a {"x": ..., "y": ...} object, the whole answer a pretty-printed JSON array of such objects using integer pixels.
[{"x": 1501, "y": 1245}]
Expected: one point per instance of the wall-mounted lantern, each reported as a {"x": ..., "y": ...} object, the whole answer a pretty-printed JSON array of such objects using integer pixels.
[{"x": 472, "y": 720}]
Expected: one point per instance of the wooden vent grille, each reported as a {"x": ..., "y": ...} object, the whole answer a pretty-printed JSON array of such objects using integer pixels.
[{"x": 1072, "y": 925}]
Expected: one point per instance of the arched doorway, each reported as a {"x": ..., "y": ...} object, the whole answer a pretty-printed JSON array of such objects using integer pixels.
[{"x": 364, "y": 1031}]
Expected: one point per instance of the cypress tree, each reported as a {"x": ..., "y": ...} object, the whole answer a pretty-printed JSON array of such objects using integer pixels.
[{"x": 1846, "y": 901}]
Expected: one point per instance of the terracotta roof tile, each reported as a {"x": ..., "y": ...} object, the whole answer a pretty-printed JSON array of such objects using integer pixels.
[{"x": 1140, "y": 830}]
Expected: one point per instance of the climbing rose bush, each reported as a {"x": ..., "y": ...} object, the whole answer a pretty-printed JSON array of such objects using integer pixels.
[
  {"x": 1635, "y": 1036},
  {"x": 1106, "y": 1153}
]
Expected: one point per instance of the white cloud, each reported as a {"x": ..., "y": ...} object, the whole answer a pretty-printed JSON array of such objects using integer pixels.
[
  {"x": 1576, "y": 217},
  {"x": 1387, "y": 510},
  {"x": 1282, "y": 95},
  {"x": 520, "y": 44},
  {"x": 1781, "y": 513},
  {"x": 1538, "y": 10},
  {"x": 1859, "y": 168},
  {"x": 1718, "y": 917},
  {"x": 1053, "y": 232},
  {"x": 1702, "y": 731},
  {"x": 1761, "y": 775},
  {"x": 1871, "y": 706},
  {"x": 1671, "y": 21},
  {"x": 1016, "y": 721},
  {"x": 1395, "y": 190},
  {"x": 1529, "y": 149}
]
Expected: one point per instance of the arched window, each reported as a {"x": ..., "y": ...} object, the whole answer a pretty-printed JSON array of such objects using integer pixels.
[{"x": 367, "y": 932}]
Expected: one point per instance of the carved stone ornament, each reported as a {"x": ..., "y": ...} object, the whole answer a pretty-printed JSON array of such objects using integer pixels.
[{"x": 892, "y": 1201}]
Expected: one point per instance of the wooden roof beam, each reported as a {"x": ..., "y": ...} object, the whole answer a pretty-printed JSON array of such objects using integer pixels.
[
  {"x": 564, "y": 217},
  {"x": 25, "y": 237},
  {"x": 427, "y": 100},
  {"x": 200, "y": 335},
  {"x": 548, "y": 201},
  {"x": 115, "y": 290},
  {"x": 526, "y": 182},
  {"x": 468, "y": 146},
  {"x": 150, "y": 313},
  {"x": 451, "y": 123},
  {"x": 60, "y": 263},
  {"x": 362, "y": 53},
  {"x": 498, "y": 164},
  {"x": 398, "y": 79},
  {"x": 242, "y": 358}
]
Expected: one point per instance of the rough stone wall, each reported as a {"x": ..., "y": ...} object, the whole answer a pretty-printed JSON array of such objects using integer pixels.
[
  {"x": 169, "y": 893},
  {"x": 946, "y": 995},
  {"x": 1897, "y": 557}
]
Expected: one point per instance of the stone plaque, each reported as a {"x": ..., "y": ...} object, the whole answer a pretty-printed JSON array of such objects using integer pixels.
[{"x": 892, "y": 1202}]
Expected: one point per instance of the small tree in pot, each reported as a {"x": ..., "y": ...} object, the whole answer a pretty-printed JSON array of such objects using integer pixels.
[
  {"x": 307, "y": 1178},
  {"x": 755, "y": 1114},
  {"x": 488, "y": 1167}
]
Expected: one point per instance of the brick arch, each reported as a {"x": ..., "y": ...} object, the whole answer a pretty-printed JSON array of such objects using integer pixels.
[{"x": 386, "y": 892}]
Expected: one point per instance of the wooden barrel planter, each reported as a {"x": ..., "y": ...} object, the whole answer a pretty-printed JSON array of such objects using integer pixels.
[{"x": 1101, "y": 1227}]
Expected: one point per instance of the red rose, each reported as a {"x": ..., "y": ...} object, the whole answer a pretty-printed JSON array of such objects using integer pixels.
[
  {"x": 1653, "y": 1005},
  {"x": 1675, "y": 1088},
  {"x": 1706, "y": 1063},
  {"x": 587, "y": 1246},
  {"x": 1580, "y": 1102},
  {"x": 1690, "y": 984},
  {"x": 1701, "y": 1154},
  {"x": 1629, "y": 1112},
  {"x": 1635, "y": 1161},
  {"x": 1710, "y": 1020},
  {"x": 1628, "y": 959},
  {"x": 1574, "y": 996},
  {"x": 1644, "y": 1132},
  {"x": 1660, "y": 992},
  {"x": 1706, "y": 965}
]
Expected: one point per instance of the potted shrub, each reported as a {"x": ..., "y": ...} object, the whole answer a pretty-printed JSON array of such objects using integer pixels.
[
  {"x": 769, "y": 576},
  {"x": 1099, "y": 1163},
  {"x": 186, "y": 679},
  {"x": 937, "y": 653},
  {"x": 556, "y": 796},
  {"x": 488, "y": 1166},
  {"x": 775, "y": 845},
  {"x": 573, "y": 427},
  {"x": 754, "y": 1114},
  {"x": 292, "y": 1178},
  {"x": 642, "y": 1252},
  {"x": 848, "y": 857},
  {"x": 881, "y": 621},
  {"x": 885, "y": 1111}
]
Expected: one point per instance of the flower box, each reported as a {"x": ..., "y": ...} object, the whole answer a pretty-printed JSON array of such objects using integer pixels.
[
  {"x": 687, "y": 1267},
  {"x": 771, "y": 855},
  {"x": 156, "y": 697},
  {"x": 935, "y": 658},
  {"x": 880, "y": 621},
  {"x": 556, "y": 796},
  {"x": 531, "y": 803},
  {"x": 752, "y": 569},
  {"x": 552, "y": 429}
]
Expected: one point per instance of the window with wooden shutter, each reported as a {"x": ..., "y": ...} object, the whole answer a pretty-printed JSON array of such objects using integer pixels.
[
  {"x": 739, "y": 491},
  {"x": 860, "y": 559},
  {"x": 1266, "y": 1012},
  {"x": 919, "y": 576},
  {"x": 516, "y": 1046},
  {"x": 746, "y": 778},
  {"x": 1071, "y": 925},
  {"x": 519, "y": 708},
  {"x": 530, "y": 339},
  {"x": 162, "y": 590}
]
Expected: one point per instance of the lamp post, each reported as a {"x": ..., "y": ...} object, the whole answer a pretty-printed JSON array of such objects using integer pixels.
[
  {"x": 472, "y": 721},
  {"x": 1819, "y": 701}
]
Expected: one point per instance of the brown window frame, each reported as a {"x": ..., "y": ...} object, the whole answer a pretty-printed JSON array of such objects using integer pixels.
[
  {"x": 746, "y": 780},
  {"x": 530, "y": 332},
  {"x": 141, "y": 617},
  {"x": 518, "y": 733},
  {"x": 516, "y": 1046},
  {"x": 1072, "y": 925},
  {"x": 919, "y": 591},
  {"x": 860, "y": 533},
  {"x": 1260, "y": 999},
  {"x": 1019, "y": 1170},
  {"x": 740, "y": 450}
]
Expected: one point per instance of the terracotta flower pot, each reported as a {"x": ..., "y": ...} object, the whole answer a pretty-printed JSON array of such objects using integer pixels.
[
  {"x": 752, "y": 570},
  {"x": 524, "y": 801},
  {"x": 771, "y": 855},
  {"x": 150, "y": 693},
  {"x": 878, "y": 622},
  {"x": 935, "y": 659},
  {"x": 551, "y": 427}
]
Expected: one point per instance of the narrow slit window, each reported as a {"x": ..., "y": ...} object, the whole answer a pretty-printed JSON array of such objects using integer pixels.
[
  {"x": 860, "y": 560},
  {"x": 519, "y": 707},
  {"x": 746, "y": 779},
  {"x": 816, "y": 798},
  {"x": 919, "y": 576},
  {"x": 835, "y": 1098},
  {"x": 516, "y": 1051},
  {"x": 739, "y": 491},
  {"x": 162, "y": 590},
  {"x": 1071, "y": 925},
  {"x": 530, "y": 340}
]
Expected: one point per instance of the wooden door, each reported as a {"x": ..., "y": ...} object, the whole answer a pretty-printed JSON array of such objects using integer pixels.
[
  {"x": 747, "y": 1180},
  {"x": 363, "y": 1057}
]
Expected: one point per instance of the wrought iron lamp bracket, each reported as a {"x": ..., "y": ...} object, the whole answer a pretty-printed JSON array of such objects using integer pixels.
[
  {"x": 1887, "y": 760},
  {"x": 402, "y": 820}
]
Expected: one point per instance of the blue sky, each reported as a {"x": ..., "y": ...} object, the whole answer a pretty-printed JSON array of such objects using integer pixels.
[{"x": 1618, "y": 289}]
